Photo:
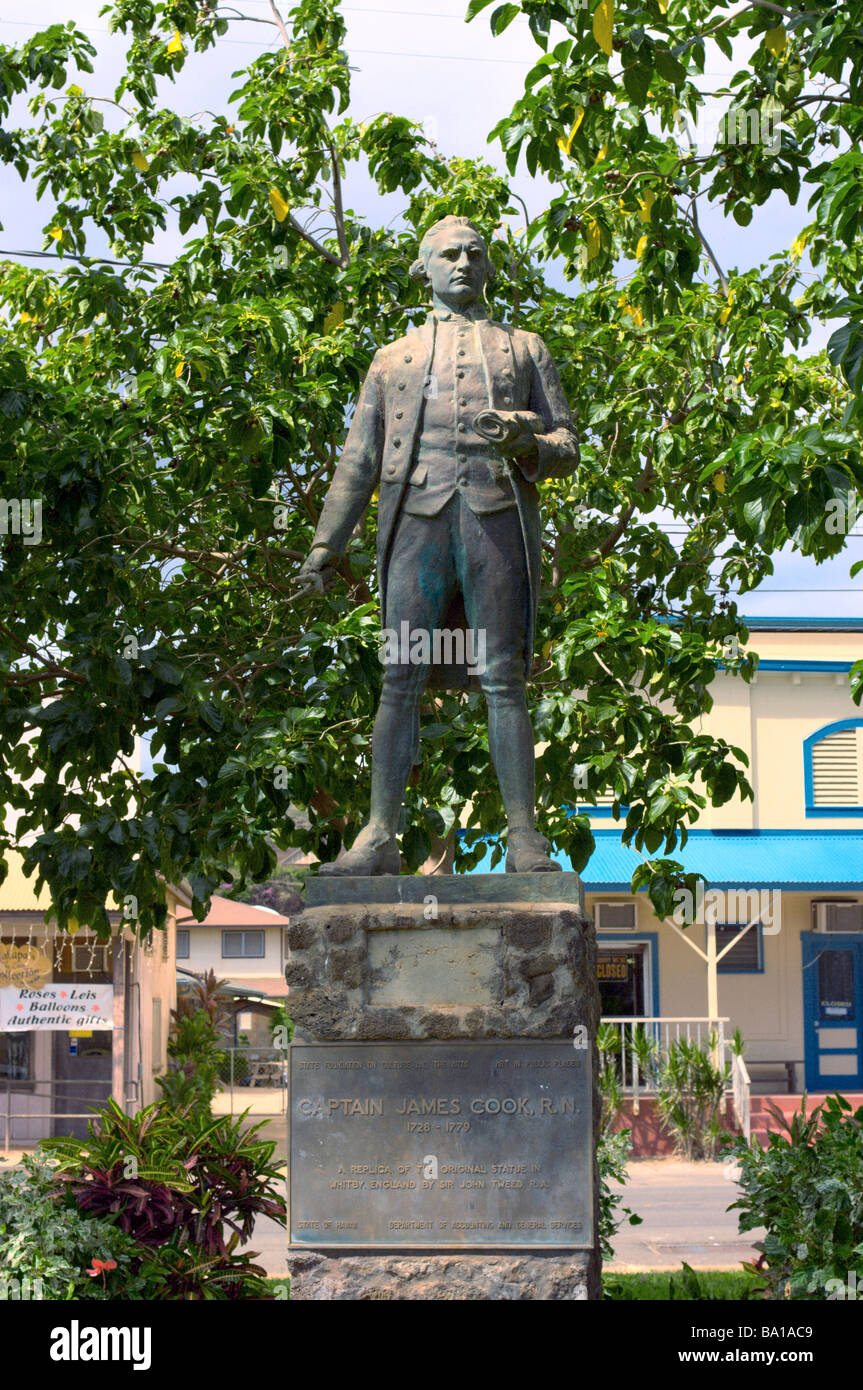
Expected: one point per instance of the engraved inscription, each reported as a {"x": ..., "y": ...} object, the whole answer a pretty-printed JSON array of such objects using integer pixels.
[{"x": 467, "y": 1144}]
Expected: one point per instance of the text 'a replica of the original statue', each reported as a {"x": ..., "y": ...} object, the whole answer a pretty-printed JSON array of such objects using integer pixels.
[{"x": 456, "y": 424}]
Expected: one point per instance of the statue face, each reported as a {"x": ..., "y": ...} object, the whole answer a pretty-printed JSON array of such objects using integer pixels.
[{"x": 457, "y": 267}]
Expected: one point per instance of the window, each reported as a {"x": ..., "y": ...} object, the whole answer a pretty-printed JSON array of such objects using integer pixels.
[
  {"x": 237, "y": 944},
  {"x": 182, "y": 943},
  {"x": 835, "y": 985},
  {"x": 90, "y": 957},
  {"x": 746, "y": 955},
  {"x": 15, "y": 1052},
  {"x": 833, "y": 769},
  {"x": 621, "y": 974}
]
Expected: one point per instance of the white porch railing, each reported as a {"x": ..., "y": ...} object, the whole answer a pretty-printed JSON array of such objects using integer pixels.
[{"x": 661, "y": 1032}]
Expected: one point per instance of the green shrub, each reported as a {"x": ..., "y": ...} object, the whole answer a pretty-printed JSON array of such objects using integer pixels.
[
  {"x": 806, "y": 1188},
  {"x": 689, "y": 1093},
  {"x": 50, "y": 1250},
  {"x": 612, "y": 1154},
  {"x": 198, "y": 1060},
  {"x": 174, "y": 1182},
  {"x": 610, "y": 1087}
]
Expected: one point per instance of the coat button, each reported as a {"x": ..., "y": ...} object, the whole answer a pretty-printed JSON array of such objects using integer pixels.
[
  {"x": 401, "y": 385},
  {"x": 462, "y": 429},
  {"x": 462, "y": 352},
  {"x": 408, "y": 357},
  {"x": 462, "y": 458},
  {"x": 507, "y": 400},
  {"x": 399, "y": 414},
  {"x": 397, "y": 444},
  {"x": 459, "y": 374},
  {"x": 391, "y": 468},
  {"x": 463, "y": 401},
  {"x": 462, "y": 482},
  {"x": 504, "y": 349}
]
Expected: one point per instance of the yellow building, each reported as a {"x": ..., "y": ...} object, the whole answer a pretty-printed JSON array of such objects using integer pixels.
[{"x": 786, "y": 867}]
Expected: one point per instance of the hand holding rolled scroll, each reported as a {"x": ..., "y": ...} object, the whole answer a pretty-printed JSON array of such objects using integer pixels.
[{"x": 512, "y": 432}]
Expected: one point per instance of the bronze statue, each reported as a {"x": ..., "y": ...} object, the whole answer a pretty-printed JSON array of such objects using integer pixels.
[{"x": 456, "y": 423}]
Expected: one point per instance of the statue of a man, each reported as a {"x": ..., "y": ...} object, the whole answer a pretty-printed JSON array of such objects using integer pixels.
[{"x": 458, "y": 520}]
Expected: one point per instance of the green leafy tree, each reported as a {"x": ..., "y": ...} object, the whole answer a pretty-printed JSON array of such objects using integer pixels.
[{"x": 180, "y": 423}]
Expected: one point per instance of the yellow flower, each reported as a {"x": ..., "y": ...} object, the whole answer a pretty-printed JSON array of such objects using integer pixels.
[
  {"x": 180, "y": 368},
  {"x": 176, "y": 44},
  {"x": 641, "y": 247},
  {"x": 56, "y": 233}
]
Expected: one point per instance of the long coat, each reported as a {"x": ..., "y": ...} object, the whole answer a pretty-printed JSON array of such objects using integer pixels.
[{"x": 379, "y": 449}]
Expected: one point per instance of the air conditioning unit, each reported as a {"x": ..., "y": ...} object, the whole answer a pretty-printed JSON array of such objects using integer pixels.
[
  {"x": 616, "y": 916},
  {"x": 837, "y": 917}
]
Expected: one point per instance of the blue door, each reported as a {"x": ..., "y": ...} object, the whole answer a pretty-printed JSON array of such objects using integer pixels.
[{"x": 833, "y": 1010}]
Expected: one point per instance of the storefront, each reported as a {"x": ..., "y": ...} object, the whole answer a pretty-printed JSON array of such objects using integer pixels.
[{"x": 81, "y": 1019}]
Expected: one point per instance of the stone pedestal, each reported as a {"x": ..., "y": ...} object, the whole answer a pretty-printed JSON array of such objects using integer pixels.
[{"x": 415, "y": 959}]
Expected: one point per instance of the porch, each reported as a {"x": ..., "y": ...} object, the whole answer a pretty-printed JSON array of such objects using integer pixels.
[{"x": 638, "y": 1043}]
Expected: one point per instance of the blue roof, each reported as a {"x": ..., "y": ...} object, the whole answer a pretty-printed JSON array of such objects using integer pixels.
[{"x": 789, "y": 859}]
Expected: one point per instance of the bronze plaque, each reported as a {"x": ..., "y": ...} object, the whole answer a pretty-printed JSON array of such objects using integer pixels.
[{"x": 473, "y": 1145}]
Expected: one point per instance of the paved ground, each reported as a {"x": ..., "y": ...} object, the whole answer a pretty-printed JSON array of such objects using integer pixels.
[{"x": 683, "y": 1207}]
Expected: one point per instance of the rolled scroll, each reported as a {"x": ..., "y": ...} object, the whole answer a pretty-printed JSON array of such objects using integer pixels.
[{"x": 500, "y": 426}]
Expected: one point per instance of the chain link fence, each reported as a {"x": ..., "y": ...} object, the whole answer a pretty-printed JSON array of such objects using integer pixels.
[{"x": 253, "y": 1078}]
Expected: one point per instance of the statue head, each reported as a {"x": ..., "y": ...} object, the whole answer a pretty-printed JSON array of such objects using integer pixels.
[{"x": 454, "y": 261}]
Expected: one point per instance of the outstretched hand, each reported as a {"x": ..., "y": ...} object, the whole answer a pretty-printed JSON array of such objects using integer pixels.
[{"x": 316, "y": 575}]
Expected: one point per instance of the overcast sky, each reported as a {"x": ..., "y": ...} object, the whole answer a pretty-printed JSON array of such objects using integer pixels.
[{"x": 421, "y": 60}]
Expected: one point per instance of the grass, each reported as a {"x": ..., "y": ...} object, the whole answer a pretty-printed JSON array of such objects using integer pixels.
[{"x": 703, "y": 1285}]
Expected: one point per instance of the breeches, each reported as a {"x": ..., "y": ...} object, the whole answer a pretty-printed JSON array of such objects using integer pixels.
[{"x": 432, "y": 559}]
